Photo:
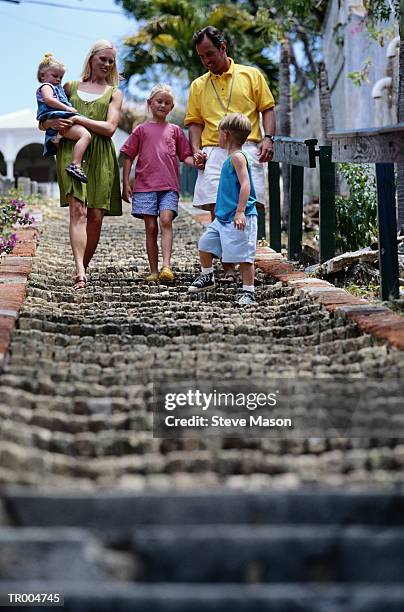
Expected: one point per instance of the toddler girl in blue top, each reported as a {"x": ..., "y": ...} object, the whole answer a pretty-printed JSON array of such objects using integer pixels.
[
  {"x": 54, "y": 104},
  {"x": 232, "y": 236}
]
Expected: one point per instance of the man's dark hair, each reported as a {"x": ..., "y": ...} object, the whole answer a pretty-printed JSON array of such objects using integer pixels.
[{"x": 215, "y": 36}]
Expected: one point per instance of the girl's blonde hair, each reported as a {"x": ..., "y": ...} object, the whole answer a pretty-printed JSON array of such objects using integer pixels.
[
  {"x": 47, "y": 62},
  {"x": 160, "y": 88},
  {"x": 100, "y": 45}
]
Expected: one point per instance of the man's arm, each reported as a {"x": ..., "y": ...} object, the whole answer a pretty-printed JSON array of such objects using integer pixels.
[{"x": 269, "y": 125}]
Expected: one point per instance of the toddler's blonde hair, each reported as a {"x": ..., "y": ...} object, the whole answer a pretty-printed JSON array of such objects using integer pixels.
[
  {"x": 47, "y": 62},
  {"x": 100, "y": 45},
  {"x": 238, "y": 125},
  {"x": 160, "y": 88}
]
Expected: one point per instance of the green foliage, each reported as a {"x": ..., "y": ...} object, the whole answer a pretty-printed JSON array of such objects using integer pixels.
[
  {"x": 356, "y": 215},
  {"x": 361, "y": 76},
  {"x": 165, "y": 37},
  {"x": 382, "y": 10},
  {"x": 370, "y": 291}
]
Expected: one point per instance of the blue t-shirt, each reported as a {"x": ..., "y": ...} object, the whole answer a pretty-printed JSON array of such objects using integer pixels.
[{"x": 228, "y": 193}]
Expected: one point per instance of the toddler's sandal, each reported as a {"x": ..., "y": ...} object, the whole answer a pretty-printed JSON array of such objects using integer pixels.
[{"x": 77, "y": 172}]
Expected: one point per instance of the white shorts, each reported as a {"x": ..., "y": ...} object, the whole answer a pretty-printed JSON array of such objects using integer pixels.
[
  {"x": 231, "y": 245},
  {"x": 208, "y": 179}
]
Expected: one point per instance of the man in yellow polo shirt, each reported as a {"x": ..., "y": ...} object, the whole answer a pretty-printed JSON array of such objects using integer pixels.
[{"x": 227, "y": 88}]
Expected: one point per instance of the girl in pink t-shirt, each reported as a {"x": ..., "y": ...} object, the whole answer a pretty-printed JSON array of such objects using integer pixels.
[{"x": 158, "y": 145}]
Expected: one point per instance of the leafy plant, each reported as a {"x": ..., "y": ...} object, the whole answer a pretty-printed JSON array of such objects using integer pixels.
[
  {"x": 356, "y": 215},
  {"x": 13, "y": 215},
  {"x": 370, "y": 291},
  {"x": 361, "y": 76}
]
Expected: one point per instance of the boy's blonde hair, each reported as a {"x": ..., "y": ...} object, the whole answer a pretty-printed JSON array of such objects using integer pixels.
[
  {"x": 100, "y": 45},
  {"x": 238, "y": 125},
  {"x": 160, "y": 88},
  {"x": 48, "y": 62}
]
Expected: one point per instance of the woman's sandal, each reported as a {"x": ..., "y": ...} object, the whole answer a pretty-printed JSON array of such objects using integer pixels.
[{"x": 80, "y": 282}]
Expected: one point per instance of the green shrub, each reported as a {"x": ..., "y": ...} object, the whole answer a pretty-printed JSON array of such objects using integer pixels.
[{"x": 356, "y": 215}]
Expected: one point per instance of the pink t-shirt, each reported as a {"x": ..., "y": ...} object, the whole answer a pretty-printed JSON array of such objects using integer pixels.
[{"x": 158, "y": 147}]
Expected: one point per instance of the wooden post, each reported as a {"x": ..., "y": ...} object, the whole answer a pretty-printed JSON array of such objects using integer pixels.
[
  {"x": 274, "y": 207},
  {"x": 386, "y": 218},
  {"x": 261, "y": 230},
  {"x": 295, "y": 213},
  {"x": 327, "y": 204},
  {"x": 382, "y": 146}
]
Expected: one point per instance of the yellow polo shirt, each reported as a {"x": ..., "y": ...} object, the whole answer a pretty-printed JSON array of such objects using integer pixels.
[{"x": 251, "y": 95}]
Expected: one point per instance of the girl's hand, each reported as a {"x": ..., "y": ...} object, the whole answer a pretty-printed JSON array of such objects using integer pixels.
[
  {"x": 239, "y": 221},
  {"x": 200, "y": 159},
  {"x": 127, "y": 193}
]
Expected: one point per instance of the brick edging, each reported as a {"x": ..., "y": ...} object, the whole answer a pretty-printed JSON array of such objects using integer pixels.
[
  {"x": 378, "y": 321},
  {"x": 15, "y": 269}
]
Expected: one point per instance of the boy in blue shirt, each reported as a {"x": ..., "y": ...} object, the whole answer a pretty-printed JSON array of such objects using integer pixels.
[{"x": 232, "y": 236}]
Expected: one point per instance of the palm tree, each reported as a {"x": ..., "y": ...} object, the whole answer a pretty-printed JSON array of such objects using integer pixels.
[
  {"x": 285, "y": 118},
  {"x": 165, "y": 37}
]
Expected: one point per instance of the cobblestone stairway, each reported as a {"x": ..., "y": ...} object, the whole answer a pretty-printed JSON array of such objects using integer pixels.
[
  {"x": 74, "y": 394},
  {"x": 281, "y": 552},
  {"x": 202, "y": 525}
]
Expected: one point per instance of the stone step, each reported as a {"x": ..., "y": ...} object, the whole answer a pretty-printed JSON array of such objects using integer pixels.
[
  {"x": 96, "y": 597},
  {"x": 48, "y": 554},
  {"x": 238, "y": 554},
  {"x": 127, "y": 510}
]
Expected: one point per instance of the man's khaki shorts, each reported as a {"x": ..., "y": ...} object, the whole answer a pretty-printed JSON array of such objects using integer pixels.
[{"x": 208, "y": 179}]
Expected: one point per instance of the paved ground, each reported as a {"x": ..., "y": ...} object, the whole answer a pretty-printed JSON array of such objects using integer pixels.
[{"x": 74, "y": 394}]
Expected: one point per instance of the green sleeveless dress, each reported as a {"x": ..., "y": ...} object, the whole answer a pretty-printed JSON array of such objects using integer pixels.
[{"x": 100, "y": 162}]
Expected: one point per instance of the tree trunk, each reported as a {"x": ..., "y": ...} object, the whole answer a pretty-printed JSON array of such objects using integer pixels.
[
  {"x": 326, "y": 114},
  {"x": 285, "y": 118},
  {"x": 400, "y": 116}
]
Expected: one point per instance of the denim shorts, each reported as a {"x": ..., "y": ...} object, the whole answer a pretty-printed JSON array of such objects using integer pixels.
[
  {"x": 153, "y": 202},
  {"x": 230, "y": 244}
]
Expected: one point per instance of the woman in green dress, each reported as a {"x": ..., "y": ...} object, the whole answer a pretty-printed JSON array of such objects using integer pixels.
[{"x": 98, "y": 100}]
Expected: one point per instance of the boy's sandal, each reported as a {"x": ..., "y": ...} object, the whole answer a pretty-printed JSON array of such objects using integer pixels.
[
  {"x": 230, "y": 278},
  {"x": 77, "y": 172},
  {"x": 80, "y": 282}
]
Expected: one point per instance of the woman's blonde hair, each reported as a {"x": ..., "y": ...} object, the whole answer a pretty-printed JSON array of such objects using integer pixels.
[
  {"x": 100, "y": 45},
  {"x": 47, "y": 62},
  {"x": 160, "y": 88}
]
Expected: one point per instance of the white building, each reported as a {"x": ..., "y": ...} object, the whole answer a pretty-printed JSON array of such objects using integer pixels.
[{"x": 21, "y": 145}]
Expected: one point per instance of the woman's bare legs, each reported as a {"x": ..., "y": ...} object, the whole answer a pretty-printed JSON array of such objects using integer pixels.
[
  {"x": 152, "y": 230},
  {"x": 95, "y": 217},
  {"x": 84, "y": 230},
  {"x": 78, "y": 235},
  {"x": 166, "y": 228}
]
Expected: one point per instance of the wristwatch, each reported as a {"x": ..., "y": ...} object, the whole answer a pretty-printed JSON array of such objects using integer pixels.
[{"x": 270, "y": 136}]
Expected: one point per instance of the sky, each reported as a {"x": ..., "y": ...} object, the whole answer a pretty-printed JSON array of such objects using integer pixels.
[{"x": 28, "y": 31}]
